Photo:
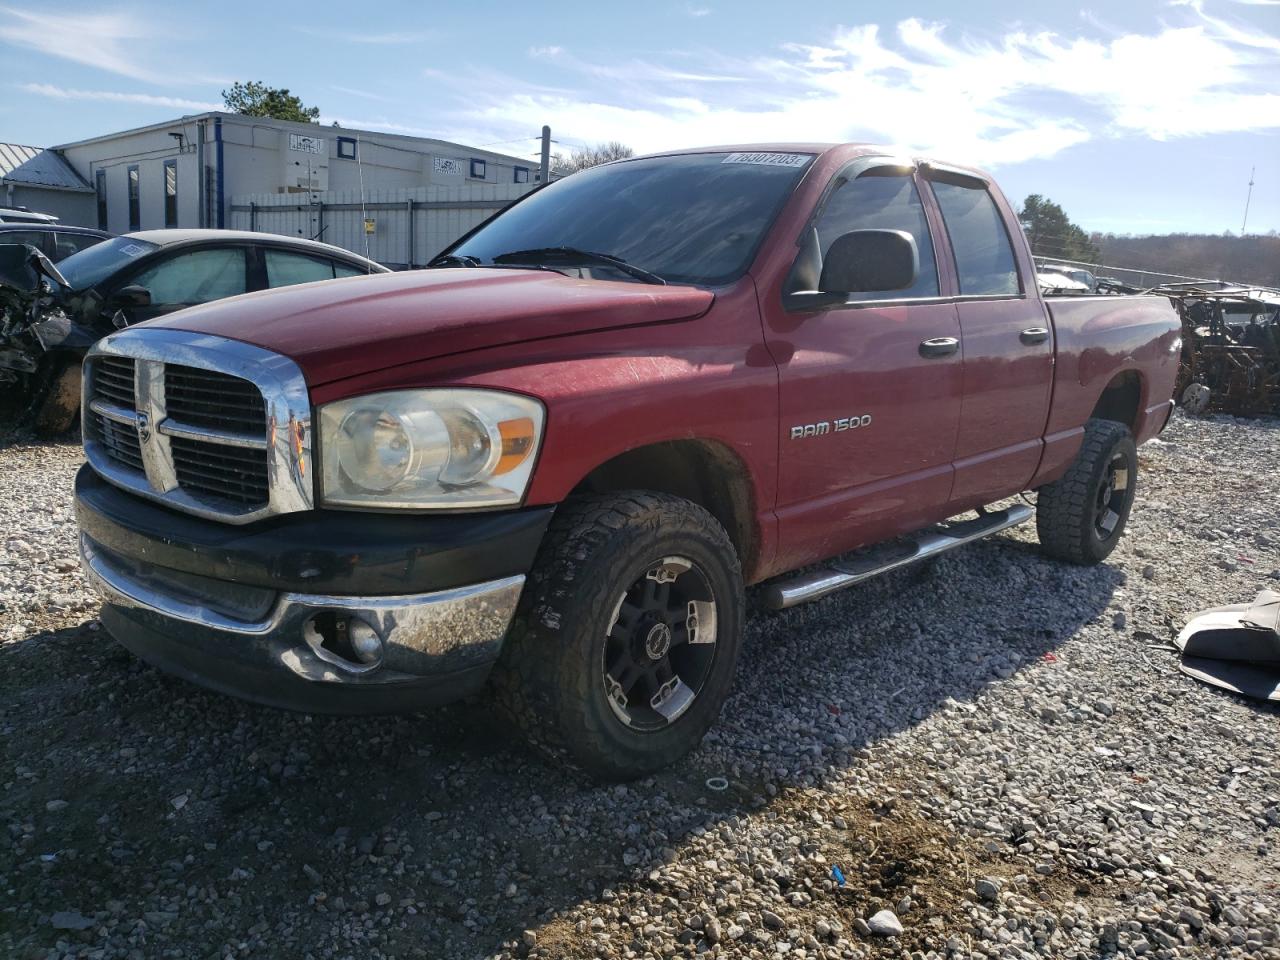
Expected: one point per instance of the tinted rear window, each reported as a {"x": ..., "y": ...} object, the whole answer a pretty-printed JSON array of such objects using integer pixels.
[{"x": 984, "y": 255}]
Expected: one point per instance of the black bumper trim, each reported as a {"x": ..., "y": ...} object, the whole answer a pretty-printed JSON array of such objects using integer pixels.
[{"x": 319, "y": 551}]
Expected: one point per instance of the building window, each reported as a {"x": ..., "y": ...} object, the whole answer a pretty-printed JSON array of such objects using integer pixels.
[
  {"x": 171, "y": 193},
  {"x": 477, "y": 169},
  {"x": 522, "y": 174},
  {"x": 347, "y": 148},
  {"x": 135, "y": 210},
  {"x": 100, "y": 188}
]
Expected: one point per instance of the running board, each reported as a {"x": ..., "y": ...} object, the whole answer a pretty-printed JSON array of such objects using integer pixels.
[{"x": 928, "y": 543}]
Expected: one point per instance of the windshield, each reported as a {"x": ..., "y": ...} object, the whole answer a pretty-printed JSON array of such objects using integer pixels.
[
  {"x": 696, "y": 218},
  {"x": 93, "y": 265}
]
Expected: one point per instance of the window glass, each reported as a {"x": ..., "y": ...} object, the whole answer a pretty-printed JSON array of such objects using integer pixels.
[
  {"x": 691, "y": 218},
  {"x": 135, "y": 209},
  {"x": 285, "y": 269},
  {"x": 979, "y": 240},
  {"x": 92, "y": 266},
  {"x": 33, "y": 237},
  {"x": 100, "y": 188},
  {"x": 171, "y": 193},
  {"x": 346, "y": 270},
  {"x": 68, "y": 243},
  {"x": 195, "y": 277},
  {"x": 882, "y": 203}
]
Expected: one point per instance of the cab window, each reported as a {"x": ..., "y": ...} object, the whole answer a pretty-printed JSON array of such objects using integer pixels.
[
  {"x": 979, "y": 240},
  {"x": 195, "y": 277},
  {"x": 875, "y": 202}
]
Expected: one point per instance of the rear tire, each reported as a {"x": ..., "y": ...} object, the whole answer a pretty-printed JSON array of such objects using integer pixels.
[
  {"x": 624, "y": 648},
  {"x": 1081, "y": 516}
]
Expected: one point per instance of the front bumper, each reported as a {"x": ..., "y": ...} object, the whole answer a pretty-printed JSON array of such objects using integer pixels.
[{"x": 254, "y": 636}]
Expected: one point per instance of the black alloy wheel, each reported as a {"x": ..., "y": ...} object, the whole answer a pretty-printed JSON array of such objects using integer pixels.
[{"x": 661, "y": 644}]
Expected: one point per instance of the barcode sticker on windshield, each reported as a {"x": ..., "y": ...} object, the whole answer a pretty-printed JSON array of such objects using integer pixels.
[
  {"x": 133, "y": 250},
  {"x": 769, "y": 159}
]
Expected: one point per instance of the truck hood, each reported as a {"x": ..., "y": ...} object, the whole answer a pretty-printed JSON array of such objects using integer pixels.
[{"x": 341, "y": 328}]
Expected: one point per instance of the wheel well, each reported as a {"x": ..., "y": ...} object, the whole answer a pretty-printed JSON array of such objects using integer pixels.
[
  {"x": 704, "y": 472},
  {"x": 1121, "y": 400}
]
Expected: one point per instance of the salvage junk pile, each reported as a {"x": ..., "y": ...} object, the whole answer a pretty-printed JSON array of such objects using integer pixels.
[{"x": 1230, "y": 350}]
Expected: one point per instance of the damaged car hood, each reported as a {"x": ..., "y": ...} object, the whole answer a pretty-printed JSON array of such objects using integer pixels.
[{"x": 343, "y": 328}]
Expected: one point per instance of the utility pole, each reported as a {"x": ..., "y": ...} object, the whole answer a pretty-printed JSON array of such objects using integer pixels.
[
  {"x": 1247, "y": 198},
  {"x": 545, "y": 166}
]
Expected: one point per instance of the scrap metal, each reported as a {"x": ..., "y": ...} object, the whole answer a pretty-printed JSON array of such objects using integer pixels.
[{"x": 1230, "y": 348}]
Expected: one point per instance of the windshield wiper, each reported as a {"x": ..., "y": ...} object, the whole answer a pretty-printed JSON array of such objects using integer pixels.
[
  {"x": 572, "y": 254},
  {"x": 454, "y": 260}
]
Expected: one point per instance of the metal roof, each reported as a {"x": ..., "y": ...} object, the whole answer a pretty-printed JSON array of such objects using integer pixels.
[{"x": 38, "y": 167}]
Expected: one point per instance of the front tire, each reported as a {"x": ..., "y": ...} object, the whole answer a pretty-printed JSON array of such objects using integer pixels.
[
  {"x": 1081, "y": 516},
  {"x": 626, "y": 643}
]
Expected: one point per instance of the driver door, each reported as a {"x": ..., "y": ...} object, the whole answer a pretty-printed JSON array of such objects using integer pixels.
[
  {"x": 187, "y": 277},
  {"x": 870, "y": 389}
]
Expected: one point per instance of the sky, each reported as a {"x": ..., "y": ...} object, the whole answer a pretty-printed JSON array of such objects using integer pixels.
[{"x": 1137, "y": 117}]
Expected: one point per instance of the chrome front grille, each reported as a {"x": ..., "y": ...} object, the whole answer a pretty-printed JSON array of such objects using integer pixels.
[
  {"x": 115, "y": 381},
  {"x": 210, "y": 426},
  {"x": 206, "y": 398},
  {"x": 219, "y": 471}
]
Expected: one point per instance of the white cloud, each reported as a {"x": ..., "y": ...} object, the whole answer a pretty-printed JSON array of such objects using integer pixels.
[
  {"x": 362, "y": 94},
  {"x": 985, "y": 99},
  {"x": 693, "y": 11},
  {"x": 112, "y": 96},
  {"x": 107, "y": 41}
]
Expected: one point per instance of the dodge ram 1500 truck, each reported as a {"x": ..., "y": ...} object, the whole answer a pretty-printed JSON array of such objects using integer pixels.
[{"x": 550, "y": 466}]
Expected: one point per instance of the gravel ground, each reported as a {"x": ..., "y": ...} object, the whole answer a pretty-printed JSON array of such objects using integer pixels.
[{"x": 997, "y": 751}]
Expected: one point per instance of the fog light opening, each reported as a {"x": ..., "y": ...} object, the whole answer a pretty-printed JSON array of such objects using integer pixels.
[{"x": 345, "y": 641}]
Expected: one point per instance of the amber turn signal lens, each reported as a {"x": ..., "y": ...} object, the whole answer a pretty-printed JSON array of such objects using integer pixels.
[{"x": 517, "y": 442}]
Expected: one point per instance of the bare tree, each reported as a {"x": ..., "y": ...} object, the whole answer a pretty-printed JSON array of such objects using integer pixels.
[{"x": 590, "y": 156}]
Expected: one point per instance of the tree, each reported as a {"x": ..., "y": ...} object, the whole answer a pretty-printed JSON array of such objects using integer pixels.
[
  {"x": 1052, "y": 234},
  {"x": 581, "y": 159},
  {"x": 254, "y": 99}
]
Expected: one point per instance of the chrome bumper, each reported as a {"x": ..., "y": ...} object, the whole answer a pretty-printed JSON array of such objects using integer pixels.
[{"x": 424, "y": 636}]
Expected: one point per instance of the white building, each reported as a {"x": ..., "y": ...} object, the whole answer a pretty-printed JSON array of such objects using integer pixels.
[{"x": 185, "y": 172}]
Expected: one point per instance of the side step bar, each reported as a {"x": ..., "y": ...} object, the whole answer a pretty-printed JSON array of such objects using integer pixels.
[{"x": 878, "y": 560}]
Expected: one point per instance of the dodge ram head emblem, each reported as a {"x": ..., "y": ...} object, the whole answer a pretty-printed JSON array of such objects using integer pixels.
[
  {"x": 822, "y": 428},
  {"x": 144, "y": 428}
]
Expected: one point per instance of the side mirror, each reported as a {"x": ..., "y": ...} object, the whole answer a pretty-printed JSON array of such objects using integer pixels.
[
  {"x": 870, "y": 261},
  {"x": 132, "y": 295}
]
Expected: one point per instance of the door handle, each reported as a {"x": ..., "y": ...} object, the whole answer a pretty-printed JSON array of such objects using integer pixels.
[
  {"x": 939, "y": 347},
  {"x": 1034, "y": 335}
]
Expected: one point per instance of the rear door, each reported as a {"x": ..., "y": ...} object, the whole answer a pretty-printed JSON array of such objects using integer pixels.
[
  {"x": 869, "y": 413},
  {"x": 1008, "y": 344}
]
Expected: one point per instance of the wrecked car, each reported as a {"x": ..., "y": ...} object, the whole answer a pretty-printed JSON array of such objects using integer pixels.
[
  {"x": 125, "y": 280},
  {"x": 1230, "y": 349},
  {"x": 550, "y": 465}
]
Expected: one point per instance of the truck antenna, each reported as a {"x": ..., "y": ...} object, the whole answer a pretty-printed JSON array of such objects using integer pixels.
[{"x": 1248, "y": 197}]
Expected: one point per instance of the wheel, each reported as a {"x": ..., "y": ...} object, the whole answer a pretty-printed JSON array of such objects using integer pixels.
[
  {"x": 57, "y": 411},
  {"x": 1081, "y": 516},
  {"x": 1195, "y": 399},
  {"x": 625, "y": 644}
]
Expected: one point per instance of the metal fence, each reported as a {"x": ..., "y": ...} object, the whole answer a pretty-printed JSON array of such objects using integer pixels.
[
  {"x": 403, "y": 228},
  {"x": 1137, "y": 276}
]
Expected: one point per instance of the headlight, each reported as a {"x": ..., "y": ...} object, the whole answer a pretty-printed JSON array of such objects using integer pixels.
[{"x": 416, "y": 449}]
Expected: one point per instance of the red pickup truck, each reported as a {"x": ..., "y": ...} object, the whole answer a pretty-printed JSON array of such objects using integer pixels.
[{"x": 550, "y": 466}]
